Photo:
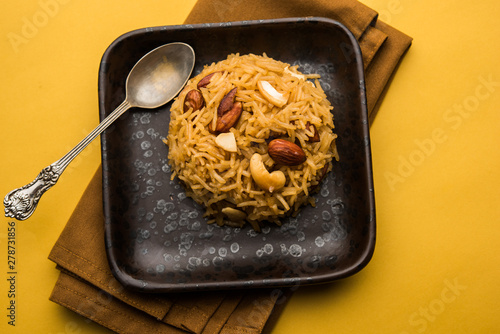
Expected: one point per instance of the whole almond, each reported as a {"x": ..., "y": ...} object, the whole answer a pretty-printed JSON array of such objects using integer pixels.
[
  {"x": 194, "y": 99},
  {"x": 286, "y": 153},
  {"x": 227, "y": 102},
  {"x": 206, "y": 80},
  {"x": 230, "y": 118}
]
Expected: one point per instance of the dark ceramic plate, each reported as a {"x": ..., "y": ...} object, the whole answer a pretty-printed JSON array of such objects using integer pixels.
[{"x": 157, "y": 239}]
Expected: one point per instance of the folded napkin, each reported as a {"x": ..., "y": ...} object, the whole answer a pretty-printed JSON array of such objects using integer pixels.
[
  {"x": 86, "y": 284},
  {"x": 382, "y": 46}
]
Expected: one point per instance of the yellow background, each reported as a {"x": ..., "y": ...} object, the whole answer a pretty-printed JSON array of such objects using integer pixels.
[{"x": 436, "y": 160}]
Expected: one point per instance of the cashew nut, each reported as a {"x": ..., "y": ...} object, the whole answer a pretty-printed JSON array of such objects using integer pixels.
[
  {"x": 265, "y": 180},
  {"x": 271, "y": 94},
  {"x": 234, "y": 214},
  {"x": 227, "y": 142},
  {"x": 293, "y": 74}
]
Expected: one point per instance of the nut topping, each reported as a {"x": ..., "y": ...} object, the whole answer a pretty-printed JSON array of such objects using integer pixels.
[
  {"x": 315, "y": 138},
  {"x": 194, "y": 99},
  {"x": 234, "y": 214},
  {"x": 265, "y": 180},
  {"x": 286, "y": 153},
  {"x": 293, "y": 74},
  {"x": 206, "y": 80},
  {"x": 227, "y": 102},
  {"x": 230, "y": 118},
  {"x": 227, "y": 142},
  {"x": 271, "y": 94}
]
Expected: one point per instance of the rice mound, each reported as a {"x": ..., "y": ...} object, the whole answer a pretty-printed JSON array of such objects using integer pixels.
[{"x": 218, "y": 179}]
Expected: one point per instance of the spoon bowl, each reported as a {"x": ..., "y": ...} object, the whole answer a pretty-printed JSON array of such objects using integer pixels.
[
  {"x": 153, "y": 81},
  {"x": 160, "y": 75}
]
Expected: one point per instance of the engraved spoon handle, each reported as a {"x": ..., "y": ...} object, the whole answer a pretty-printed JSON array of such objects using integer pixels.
[{"x": 20, "y": 203}]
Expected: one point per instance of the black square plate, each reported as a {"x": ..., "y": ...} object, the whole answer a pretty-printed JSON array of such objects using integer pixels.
[{"x": 157, "y": 239}]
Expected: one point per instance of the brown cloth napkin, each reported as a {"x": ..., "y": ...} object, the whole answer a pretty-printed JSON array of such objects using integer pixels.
[
  {"x": 382, "y": 46},
  {"x": 86, "y": 284}
]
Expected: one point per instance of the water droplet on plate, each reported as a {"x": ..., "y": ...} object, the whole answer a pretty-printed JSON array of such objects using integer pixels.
[
  {"x": 319, "y": 241},
  {"x": 235, "y": 247},
  {"x": 295, "y": 250}
]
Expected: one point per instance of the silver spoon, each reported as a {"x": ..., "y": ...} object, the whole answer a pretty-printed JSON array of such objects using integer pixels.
[{"x": 153, "y": 81}]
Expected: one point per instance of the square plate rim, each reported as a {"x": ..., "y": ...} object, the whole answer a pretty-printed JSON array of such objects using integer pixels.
[{"x": 364, "y": 257}]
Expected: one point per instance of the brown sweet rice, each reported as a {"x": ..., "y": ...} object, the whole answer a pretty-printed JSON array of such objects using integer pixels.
[{"x": 216, "y": 178}]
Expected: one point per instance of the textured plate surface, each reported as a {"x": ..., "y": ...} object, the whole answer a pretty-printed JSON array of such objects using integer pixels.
[{"x": 157, "y": 239}]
